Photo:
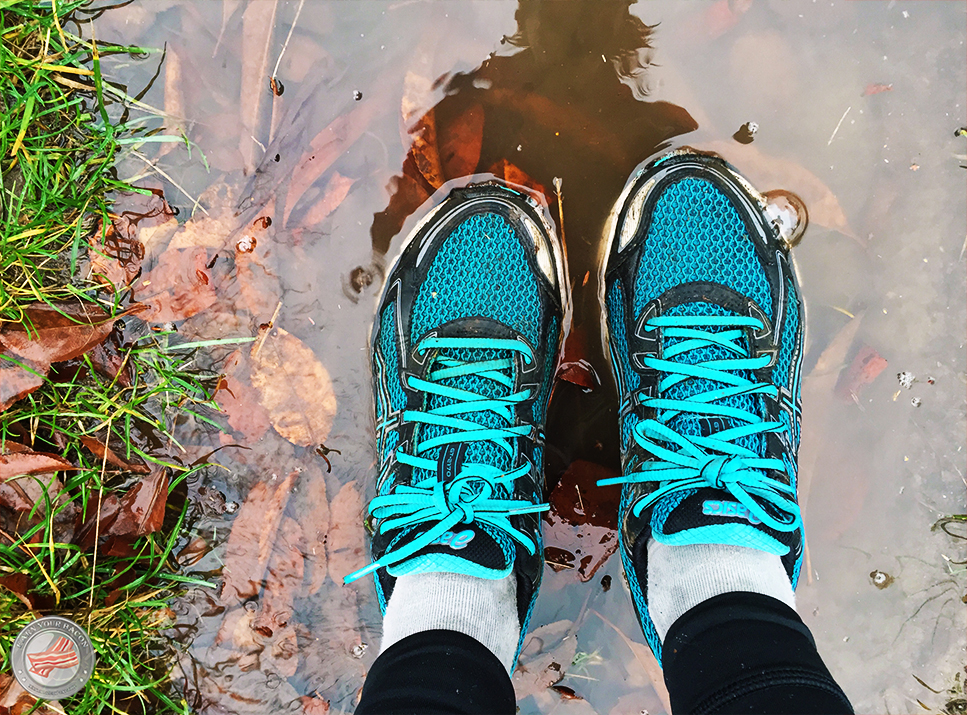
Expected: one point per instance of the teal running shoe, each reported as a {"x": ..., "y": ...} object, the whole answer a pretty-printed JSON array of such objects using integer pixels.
[
  {"x": 704, "y": 327},
  {"x": 465, "y": 344}
]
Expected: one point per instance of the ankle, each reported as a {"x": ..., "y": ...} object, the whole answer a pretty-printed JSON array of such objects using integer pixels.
[{"x": 483, "y": 609}]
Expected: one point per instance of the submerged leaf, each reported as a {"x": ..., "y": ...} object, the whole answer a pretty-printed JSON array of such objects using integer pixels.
[
  {"x": 295, "y": 388},
  {"x": 347, "y": 536},
  {"x": 177, "y": 287}
]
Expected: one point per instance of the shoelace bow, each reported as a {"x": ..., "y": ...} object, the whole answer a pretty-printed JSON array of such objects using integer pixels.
[
  {"x": 713, "y": 461},
  {"x": 475, "y": 495}
]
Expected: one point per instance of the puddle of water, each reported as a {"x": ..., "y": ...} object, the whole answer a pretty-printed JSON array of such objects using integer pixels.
[{"x": 856, "y": 106}]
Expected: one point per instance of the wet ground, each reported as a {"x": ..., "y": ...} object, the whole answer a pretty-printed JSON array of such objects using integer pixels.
[{"x": 306, "y": 186}]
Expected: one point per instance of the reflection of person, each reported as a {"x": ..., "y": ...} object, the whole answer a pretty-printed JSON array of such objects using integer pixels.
[
  {"x": 705, "y": 325},
  {"x": 565, "y": 103}
]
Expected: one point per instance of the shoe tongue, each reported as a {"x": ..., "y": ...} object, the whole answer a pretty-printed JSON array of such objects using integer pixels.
[
  {"x": 482, "y": 452},
  {"x": 473, "y": 549},
  {"x": 688, "y": 423},
  {"x": 707, "y": 515},
  {"x": 711, "y": 516}
]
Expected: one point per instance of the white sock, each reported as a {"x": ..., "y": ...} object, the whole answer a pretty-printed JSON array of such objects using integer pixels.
[
  {"x": 484, "y": 609},
  {"x": 681, "y": 577}
]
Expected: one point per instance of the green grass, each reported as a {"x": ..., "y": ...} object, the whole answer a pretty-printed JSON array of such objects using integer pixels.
[{"x": 58, "y": 149}]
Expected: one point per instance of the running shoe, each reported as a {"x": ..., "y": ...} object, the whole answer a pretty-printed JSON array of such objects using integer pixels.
[
  {"x": 704, "y": 325},
  {"x": 464, "y": 348}
]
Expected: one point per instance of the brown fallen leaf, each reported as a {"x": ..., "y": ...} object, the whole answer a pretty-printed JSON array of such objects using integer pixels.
[
  {"x": 448, "y": 149},
  {"x": 102, "y": 452},
  {"x": 24, "y": 462},
  {"x": 312, "y": 512},
  {"x": 283, "y": 579},
  {"x": 864, "y": 369},
  {"x": 97, "y": 519},
  {"x": 46, "y": 335},
  {"x": 14, "y": 700},
  {"x": 876, "y": 89},
  {"x": 772, "y": 172},
  {"x": 295, "y": 388},
  {"x": 178, "y": 287},
  {"x": 545, "y": 658},
  {"x": 142, "y": 509},
  {"x": 347, "y": 536},
  {"x": 258, "y": 25},
  {"x": 580, "y": 531},
  {"x": 512, "y": 174},
  {"x": 314, "y": 705},
  {"x": 646, "y": 659},
  {"x": 240, "y": 401},
  {"x": 335, "y": 193},
  {"x": 250, "y": 541}
]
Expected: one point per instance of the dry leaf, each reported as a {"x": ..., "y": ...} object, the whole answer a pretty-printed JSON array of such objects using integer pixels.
[
  {"x": 295, "y": 388},
  {"x": 347, "y": 537},
  {"x": 250, "y": 541}
]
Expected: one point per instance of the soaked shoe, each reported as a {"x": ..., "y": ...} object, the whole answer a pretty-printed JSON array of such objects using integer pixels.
[
  {"x": 704, "y": 325},
  {"x": 464, "y": 349}
]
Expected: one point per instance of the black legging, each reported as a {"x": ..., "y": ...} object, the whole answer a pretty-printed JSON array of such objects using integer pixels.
[{"x": 735, "y": 653}]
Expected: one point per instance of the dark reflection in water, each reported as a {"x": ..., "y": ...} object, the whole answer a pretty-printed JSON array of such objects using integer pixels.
[{"x": 564, "y": 101}]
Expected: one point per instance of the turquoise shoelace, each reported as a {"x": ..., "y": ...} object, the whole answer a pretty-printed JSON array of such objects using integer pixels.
[
  {"x": 475, "y": 494},
  {"x": 713, "y": 461}
]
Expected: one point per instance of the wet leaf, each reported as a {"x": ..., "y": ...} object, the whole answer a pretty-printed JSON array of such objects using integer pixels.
[
  {"x": 335, "y": 193},
  {"x": 347, "y": 536},
  {"x": 178, "y": 287},
  {"x": 250, "y": 541},
  {"x": 512, "y": 174},
  {"x": 771, "y": 172},
  {"x": 876, "y": 89},
  {"x": 544, "y": 659},
  {"x": 14, "y": 700},
  {"x": 23, "y": 462},
  {"x": 102, "y": 452},
  {"x": 17, "y": 381},
  {"x": 312, "y": 512},
  {"x": 579, "y": 530},
  {"x": 142, "y": 509},
  {"x": 314, "y": 705},
  {"x": 295, "y": 388},
  {"x": 108, "y": 361},
  {"x": 864, "y": 369},
  {"x": 448, "y": 149},
  {"x": 283, "y": 579},
  {"x": 58, "y": 333},
  {"x": 97, "y": 519},
  {"x": 240, "y": 401},
  {"x": 258, "y": 25}
]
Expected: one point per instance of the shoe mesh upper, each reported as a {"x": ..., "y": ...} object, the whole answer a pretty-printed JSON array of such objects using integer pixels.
[
  {"x": 619, "y": 345},
  {"x": 389, "y": 348},
  {"x": 481, "y": 270},
  {"x": 781, "y": 374},
  {"x": 688, "y": 423},
  {"x": 693, "y": 227}
]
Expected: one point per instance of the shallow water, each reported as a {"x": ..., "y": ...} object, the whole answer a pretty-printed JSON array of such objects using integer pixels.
[{"x": 856, "y": 104}]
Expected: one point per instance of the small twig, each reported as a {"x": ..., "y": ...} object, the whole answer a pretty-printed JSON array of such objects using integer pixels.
[
  {"x": 558, "y": 182},
  {"x": 298, "y": 10},
  {"x": 833, "y": 135},
  {"x": 194, "y": 201},
  {"x": 258, "y": 348},
  {"x": 580, "y": 500},
  {"x": 809, "y": 562}
]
